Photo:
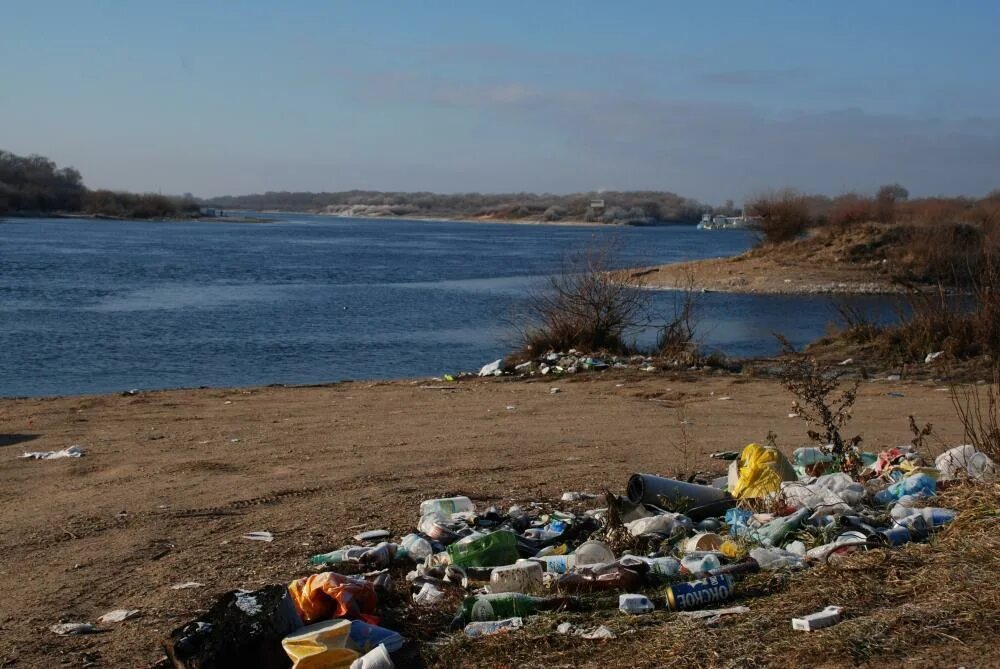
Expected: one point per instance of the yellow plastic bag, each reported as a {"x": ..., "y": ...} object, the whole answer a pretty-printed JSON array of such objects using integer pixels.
[
  {"x": 758, "y": 472},
  {"x": 320, "y": 646}
]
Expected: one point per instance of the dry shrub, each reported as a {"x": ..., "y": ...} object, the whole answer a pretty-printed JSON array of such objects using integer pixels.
[
  {"x": 851, "y": 210},
  {"x": 677, "y": 337},
  {"x": 932, "y": 210},
  {"x": 588, "y": 306},
  {"x": 978, "y": 408},
  {"x": 950, "y": 253},
  {"x": 820, "y": 401},
  {"x": 783, "y": 216},
  {"x": 857, "y": 326}
]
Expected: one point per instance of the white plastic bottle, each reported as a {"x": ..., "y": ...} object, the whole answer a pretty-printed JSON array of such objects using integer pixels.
[{"x": 447, "y": 505}]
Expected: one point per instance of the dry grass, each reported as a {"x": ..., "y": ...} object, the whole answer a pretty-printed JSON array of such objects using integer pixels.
[{"x": 922, "y": 605}]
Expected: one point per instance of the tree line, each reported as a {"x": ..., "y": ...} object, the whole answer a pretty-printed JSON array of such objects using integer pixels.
[
  {"x": 631, "y": 207},
  {"x": 34, "y": 185}
]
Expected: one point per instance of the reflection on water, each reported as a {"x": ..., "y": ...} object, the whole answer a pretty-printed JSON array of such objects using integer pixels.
[{"x": 99, "y": 306}]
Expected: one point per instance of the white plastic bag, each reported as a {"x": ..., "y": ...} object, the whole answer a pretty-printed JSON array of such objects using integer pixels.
[
  {"x": 828, "y": 495},
  {"x": 965, "y": 462}
]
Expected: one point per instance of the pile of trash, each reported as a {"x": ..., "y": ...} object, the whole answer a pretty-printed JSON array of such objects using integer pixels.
[
  {"x": 574, "y": 361},
  {"x": 665, "y": 544}
]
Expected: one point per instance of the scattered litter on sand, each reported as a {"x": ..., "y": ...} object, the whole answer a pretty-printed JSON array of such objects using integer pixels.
[
  {"x": 117, "y": 616},
  {"x": 74, "y": 451},
  {"x": 69, "y": 629},
  {"x": 259, "y": 536},
  {"x": 666, "y": 547}
]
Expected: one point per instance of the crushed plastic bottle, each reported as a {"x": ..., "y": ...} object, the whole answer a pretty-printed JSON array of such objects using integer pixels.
[
  {"x": 487, "y": 627},
  {"x": 416, "y": 547},
  {"x": 700, "y": 563},
  {"x": 918, "y": 485},
  {"x": 771, "y": 559}
]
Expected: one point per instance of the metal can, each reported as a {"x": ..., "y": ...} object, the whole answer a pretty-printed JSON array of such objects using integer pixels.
[{"x": 691, "y": 595}]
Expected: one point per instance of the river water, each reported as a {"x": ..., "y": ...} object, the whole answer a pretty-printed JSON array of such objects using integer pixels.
[{"x": 104, "y": 306}]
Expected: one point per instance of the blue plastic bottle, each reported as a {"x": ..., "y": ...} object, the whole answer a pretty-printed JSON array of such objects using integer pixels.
[{"x": 918, "y": 485}]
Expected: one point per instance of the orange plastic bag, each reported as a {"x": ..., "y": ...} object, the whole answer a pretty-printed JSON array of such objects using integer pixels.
[{"x": 332, "y": 595}]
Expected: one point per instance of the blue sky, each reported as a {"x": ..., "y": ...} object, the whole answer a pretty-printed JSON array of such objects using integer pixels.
[{"x": 712, "y": 100}]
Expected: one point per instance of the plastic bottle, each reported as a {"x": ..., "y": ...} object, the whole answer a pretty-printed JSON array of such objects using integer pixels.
[
  {"x": 492, "y": 550},
  {"x": 927, "y": 517},
  {"x": 745, "y": 566},
  {"x": 557, "y": 564},
  {"x": 487, "y": 627},
  {"x": 506, "y": 605},
  {"x": 340, "y": 556},
  {"x": 447, "y": 506},
  {"x": 810, "y": 455},
  {"x": 540, "y": 534},
  {"x": 700, "y": 563},
  {"x": 601, "y": 577},
  {"x": 770, "y": 559},
  {"x": 776, "y": 530},
  {"x": 417, "y": 548},
  {"x": 435, "y": 526},
  {"x": 917, "y": 484},
  {"x": 379, "y": 556},
  {"x": 664, "y": 566}
]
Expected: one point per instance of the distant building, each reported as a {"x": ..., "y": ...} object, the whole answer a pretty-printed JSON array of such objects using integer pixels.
[
  {"x": 210, "y": 212},
  {"x": 597, "y": 204}
]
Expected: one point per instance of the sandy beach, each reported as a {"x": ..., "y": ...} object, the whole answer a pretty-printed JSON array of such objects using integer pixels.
[
  {"x": 749, "y": 273},
  {"x": 172, "y": 480}
]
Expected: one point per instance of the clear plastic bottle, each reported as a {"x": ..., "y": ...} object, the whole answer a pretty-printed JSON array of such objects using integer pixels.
[
  {"x": 416, "y": 547},
  {"x": 486, "y": 627},
  {"x": 447, "y": 506},
  {"x": 700, "y": 564}
]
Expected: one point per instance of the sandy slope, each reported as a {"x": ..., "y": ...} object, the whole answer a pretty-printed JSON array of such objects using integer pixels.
[{"x": 171, "y": 480}]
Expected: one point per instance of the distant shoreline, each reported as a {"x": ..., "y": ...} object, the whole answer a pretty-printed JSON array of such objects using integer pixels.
[{"x": 254, "y": 219}]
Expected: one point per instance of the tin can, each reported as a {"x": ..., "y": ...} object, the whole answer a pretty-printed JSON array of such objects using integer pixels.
[{"x": 691, "y": 595}]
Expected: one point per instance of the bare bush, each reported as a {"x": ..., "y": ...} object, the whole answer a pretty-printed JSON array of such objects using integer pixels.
[
  {"x": 821, "y": 402},
  {"x": 782, "y": 217},
  {"x": 677, "y": 336},
  {"x": 589, "y": 306},
  {"x": 978, "y": 409}
]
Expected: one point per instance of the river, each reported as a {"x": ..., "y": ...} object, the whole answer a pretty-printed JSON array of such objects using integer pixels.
[{"x": 104, "y": 306}]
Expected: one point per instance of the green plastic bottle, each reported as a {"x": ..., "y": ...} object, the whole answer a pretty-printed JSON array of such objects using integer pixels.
[
  {"x": 773, "y": 532},
  {"x": 506, "y": 605},
  {"x": 492, "y": 550}
]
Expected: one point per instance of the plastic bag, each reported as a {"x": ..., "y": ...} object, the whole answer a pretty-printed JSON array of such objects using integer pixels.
[
  {"x": 321, "y": 645},
  {"x": 827, "y": 495},
  {"x": 332, "y": 595},
  {"x": 662, "y": 524},
  {"x": 758, "y": 472},
  {"x": 965, "y": 461}
]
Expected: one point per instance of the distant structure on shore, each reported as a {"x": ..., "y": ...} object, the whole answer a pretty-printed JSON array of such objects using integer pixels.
[{"x": 742, "y": 222}]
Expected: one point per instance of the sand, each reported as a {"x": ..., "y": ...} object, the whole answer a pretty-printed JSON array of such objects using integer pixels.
[{"x": 172, "y": 480}]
